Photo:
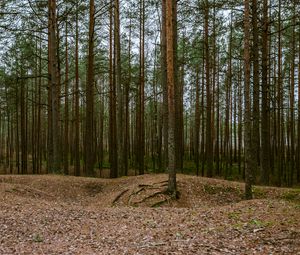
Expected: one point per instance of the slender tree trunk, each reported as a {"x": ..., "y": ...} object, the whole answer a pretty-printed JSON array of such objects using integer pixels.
[
  {"x": 141, "y": 96},
  {"x": 240, "y": 131},
  {"x": 197, "y": 122},
  {"x": 171, "y": 97},
  {"x": 298, "y": 140},
  {"x": 247, "y": 119},
  {"x": 66, "y": 131},
  {"x": 256, "y": 113},
  {"x": 164, "y": 84},
  {"x": 117, "y": 76},
  {"x": 265, "y": 123},
  {"x": 217, "y": 149},
  {"x": 209, "y": 148},
  {"x": 113, "y": 150},
  {"x": 77, "y": 123},
  {"x": 179, "y": 84},
  {"x": 54, "y": 157},
  {"x": 127, "y": 102},
  {"x": 89, "y": 125},
  {"x": 292, "y": 97},
  {"x": 23, "y": 110}
]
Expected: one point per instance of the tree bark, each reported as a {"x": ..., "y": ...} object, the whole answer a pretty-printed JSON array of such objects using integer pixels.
[
  {"x": 247, "y": 118},
  {"x": 171, "y": 97},
  {"x": 89, "y": 124},
  {"x": 265, "y": 123}
]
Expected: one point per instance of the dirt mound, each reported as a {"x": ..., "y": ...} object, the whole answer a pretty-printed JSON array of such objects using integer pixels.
[
  {"x": 135, "y": 191},
  {"x": 69, "y": 215}
]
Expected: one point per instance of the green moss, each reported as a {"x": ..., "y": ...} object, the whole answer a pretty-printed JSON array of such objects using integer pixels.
[
  {"x": 260, "y": 224},
  {"x": 292, "y": 195},
  {"x": 37, "y": 238},
  {"x": 259, "y": 193},
  {"x": 214, "y": 189},
  {"x": 234, "y": 215}
]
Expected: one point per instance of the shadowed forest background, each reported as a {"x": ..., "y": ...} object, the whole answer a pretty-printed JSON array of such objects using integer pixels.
[{"x": 84, "y": 88}]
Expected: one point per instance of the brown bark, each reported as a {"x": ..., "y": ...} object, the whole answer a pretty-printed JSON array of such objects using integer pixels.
[
  {"x": 256, "y": 108},
  {"x": 164, "y": 84},
  {"x": 66, "y": 130},
  {"x": 77, "y": 123},
  {"x": 171, "y": 97},
  {"x": 117, "y": 77},
  {"x": 247, "y": 118},
  {"x": 265, "y": 123},
  {"x": 54, "y": 157},
  {"x": 141, "y": 94},
  {"x": 209, "y": 146},
  {"x": 113, "y": 151},
  {"x": 89, "y": 124},
  {"x": 197, "y": 122}
]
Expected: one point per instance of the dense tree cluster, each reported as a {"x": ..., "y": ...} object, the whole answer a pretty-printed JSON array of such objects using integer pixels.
[{"x": 203, "y": 86}]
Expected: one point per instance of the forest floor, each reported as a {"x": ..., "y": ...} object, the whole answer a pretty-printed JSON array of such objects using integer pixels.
[{"x": 51, "y": 214}]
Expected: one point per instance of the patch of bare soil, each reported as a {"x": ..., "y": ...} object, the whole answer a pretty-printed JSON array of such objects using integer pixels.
[{"x": 134, "y": 215}]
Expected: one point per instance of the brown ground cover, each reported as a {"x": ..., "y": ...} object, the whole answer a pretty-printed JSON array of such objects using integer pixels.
[{"x": 51, "y": 214}]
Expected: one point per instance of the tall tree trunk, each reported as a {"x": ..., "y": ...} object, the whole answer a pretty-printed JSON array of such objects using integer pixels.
[
  {"x": 298, "y": 140},
  {"x": 164, "y": 84},
  {"x": 127, "y": 102},
  {"x": 141, "y": 96},
  {"x": 292, "y": 97},
  {"x": 113, "y": 150},
  {"x": 217, "y": 148},
  {"x": 197, "y": 121},
  {"x": 265, "y": 123},
  {"x": 209, "y": 148},
  {"x": 66, "y": 131},
  {"x": 247, "y": 119},
  {"x": 255, "y": 56},
  {"x": 171, "y": 97},
  {"x": 179, "y": 84},
  {"x": 89, "y": 125},
  {"x": 279, "y": 99},
  {"x": 54, "y": 157},
  {"x": 77, "y": 123},
  {"x": 23, "y": 110},
  {"x": 117, "y": 76}
]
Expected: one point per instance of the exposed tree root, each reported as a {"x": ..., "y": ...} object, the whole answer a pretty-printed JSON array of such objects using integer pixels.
[
  {"x": 161, "y": 182},
  {"x": 119, "y": 196},
  {"x": 159, "y": 203},
  {"x": 148, "y": 197}
]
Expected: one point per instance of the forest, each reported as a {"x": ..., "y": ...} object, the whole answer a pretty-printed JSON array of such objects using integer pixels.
[{"x": 160, "y": 103}]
